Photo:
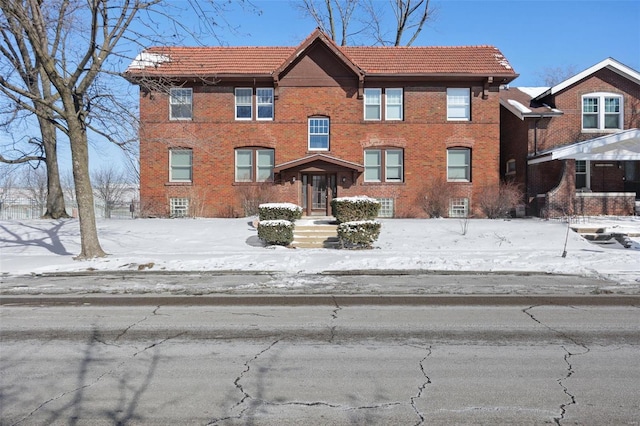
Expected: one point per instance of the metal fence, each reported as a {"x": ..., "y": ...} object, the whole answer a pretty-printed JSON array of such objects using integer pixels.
[{"x": 26, "y": 208}]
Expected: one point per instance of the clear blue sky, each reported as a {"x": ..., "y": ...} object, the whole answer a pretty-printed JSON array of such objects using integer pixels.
[{"x": 533, "y": 35}]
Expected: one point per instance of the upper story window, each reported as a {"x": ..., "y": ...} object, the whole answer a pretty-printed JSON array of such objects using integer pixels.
[
  {"x": 459, "y": 104},
  {"x": 264, "y": 101},
  {"x": 393, "y": 105},
  {"x": 180, "y": 104},
  {"x": 180, "y": 165},
  {"x": 254, "y": 164},
  {"x": 459, "y": 165},
  {"x": 383, "y": 165},
  {"x": 318, "y": 134},
  {"x": 373, "y": 102},
  {"x": 602, "y": 111},
  {"x": 244, "y": 103}
]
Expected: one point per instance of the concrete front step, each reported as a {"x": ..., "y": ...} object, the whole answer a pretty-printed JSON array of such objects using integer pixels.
[{"x": 315, "y": 236}]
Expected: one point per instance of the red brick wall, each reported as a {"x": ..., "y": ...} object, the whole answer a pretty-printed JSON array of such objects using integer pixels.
[
  {"x": 213, "y": 134},
  {"x": 565, "y": 130}
]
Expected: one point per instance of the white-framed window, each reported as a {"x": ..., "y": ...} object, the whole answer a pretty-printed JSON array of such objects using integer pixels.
[
  {"x": 264, "y": 102},
  {"x": 459, "y": 207},
  {"x": 459, "y": 165},
  {"x": 254, "y": 164},
  {"x": 179, "y": 207},
  {"x": 458, "y": 104},
  {"x": 372, "y": 104},
  {"x": 180, "y": 165},
  {"x": 393, "y": 105},
  {"x": 511, "y": 167},
  {"x": 180, "y": 103},
  {"x": 383, "y": 165},
  {"x": 244, "y": 103},
  {"x": 583, "y": 175},
  {"x": 386, "y": 207},
  {"x": 318, "y": 134},
  {"x": 602, "y": 112}
]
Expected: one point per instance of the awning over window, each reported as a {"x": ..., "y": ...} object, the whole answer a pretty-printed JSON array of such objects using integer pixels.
[
  {"x": 621, "y": 146},
  {"x": 318, "y": 162}
]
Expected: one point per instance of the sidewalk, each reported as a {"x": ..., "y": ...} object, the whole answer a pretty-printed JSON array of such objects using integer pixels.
[{"x": 368, "y": 283}]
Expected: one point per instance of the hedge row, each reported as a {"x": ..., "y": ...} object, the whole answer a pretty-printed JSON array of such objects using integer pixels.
[
  {"x": 349, "y": 209},
  {"x": 359, "y": 233},
  {"x": 279, "y": 211},
  {"x": 276, "y": 232}
]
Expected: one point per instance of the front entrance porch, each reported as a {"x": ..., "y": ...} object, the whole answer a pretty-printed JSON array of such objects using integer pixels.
[
  {"x": 600, "y": 176},
  {"x": 317, "y": 192},
  {"x": 320, "y": 179}
]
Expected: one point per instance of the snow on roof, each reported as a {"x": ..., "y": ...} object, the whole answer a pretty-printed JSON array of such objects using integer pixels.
[
  {"x": 523, "y": 109},
  {"x": 533, "y": 91},
  {"x": 148, "y": 59}
]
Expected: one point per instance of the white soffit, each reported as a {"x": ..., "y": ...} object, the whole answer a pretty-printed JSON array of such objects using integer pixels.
[{"x": 622, "y": 146}]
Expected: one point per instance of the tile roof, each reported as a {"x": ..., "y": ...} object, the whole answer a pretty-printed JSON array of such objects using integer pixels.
[{"x": 257, "y": 61}]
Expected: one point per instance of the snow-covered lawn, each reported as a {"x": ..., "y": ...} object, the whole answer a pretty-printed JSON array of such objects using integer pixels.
[{"x": 39, "y": 246}]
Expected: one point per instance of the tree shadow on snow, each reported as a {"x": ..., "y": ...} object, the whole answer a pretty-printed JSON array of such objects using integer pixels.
[{"x": 50, "y": 239}]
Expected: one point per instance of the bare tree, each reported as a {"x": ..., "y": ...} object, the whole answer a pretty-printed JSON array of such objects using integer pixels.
[
  {"x": 69, "y": 43},
  {"x": 15, "y": 58},
  {"x": 110, "y": 186},
  {"x": 34, "y": 182},
  {"x": 551, "y": 76},
  {"x": 368, "y": 20}
]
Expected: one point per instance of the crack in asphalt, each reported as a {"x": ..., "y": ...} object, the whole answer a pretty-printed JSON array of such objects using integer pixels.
[
  {"x": 334, "y": 317},
  {"x": 570, "y": 370},
  {"x": 154, "y": 312},
  {"x": 422, "y": 387},
  {"x": 96, "y": 338},
  {"x": 238, "y": 385}
]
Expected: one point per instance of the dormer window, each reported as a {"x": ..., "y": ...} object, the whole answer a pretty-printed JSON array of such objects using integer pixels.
[{"x": 602, "y": 112}]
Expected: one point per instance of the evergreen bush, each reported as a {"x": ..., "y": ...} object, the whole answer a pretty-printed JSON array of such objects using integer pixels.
[
  {"x": 350, "y": 209},
  {"x": 279, "y": 211},
  {"x": 276, "y": 232},
  {"x": 359, "y": 233}
]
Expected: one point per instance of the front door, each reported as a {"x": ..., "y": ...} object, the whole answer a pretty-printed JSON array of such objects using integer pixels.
[{"x": 317, "y": 192}]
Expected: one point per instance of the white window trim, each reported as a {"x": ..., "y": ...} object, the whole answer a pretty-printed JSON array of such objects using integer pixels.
[
  {"x": 258, "y": 104},
  {"x": 379, "y": 104},
  {"x": 468, "y": 179},
  {"x": 171, "y": 103},
  {"x": 467, "y": 104},
  {"x": 601, "y": 112},
  {"x": 236, "y": 104},
  {"x": 587, "y": 173},
  {"x": 328, "y": 134},
  {"x": 171, "y": 151},
  {"x": 386, "y": 104}
]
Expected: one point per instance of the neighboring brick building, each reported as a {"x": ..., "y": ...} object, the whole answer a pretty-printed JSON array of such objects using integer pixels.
[
  {"x": 222, "y": 128},
  {"x": 575, "y": 147}
]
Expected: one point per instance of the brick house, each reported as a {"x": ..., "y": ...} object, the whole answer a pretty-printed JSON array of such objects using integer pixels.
[
  {"x": 224, "y": 127},
  {"x": 575, "y": 147}
]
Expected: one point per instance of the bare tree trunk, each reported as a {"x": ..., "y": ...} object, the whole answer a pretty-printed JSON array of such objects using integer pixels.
[
  {"x": 77, "y": 132},
  {"x": 56, "y": 208}
]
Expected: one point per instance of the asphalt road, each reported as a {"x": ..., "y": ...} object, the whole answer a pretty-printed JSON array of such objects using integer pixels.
[{"x": 251, "y": 360}]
